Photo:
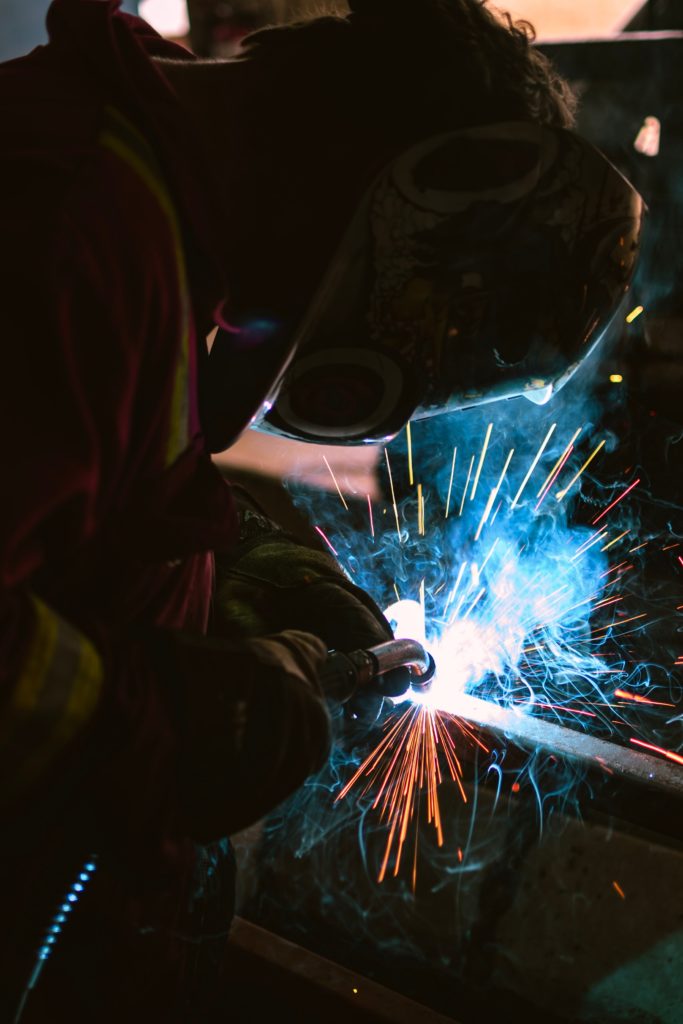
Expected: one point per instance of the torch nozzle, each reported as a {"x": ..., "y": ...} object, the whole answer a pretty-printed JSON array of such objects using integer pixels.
[
  {"x": 405, "y": 654},
  {"x": 344, "y": 673}
]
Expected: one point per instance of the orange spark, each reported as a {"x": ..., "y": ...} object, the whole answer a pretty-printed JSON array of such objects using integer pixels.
[{"x": 659, "y": 750}]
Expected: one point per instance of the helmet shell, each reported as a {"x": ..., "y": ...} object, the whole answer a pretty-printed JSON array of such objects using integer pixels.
[{"x": 481, "y": 264}]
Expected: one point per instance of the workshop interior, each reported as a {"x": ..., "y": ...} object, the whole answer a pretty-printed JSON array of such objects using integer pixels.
[{"x": 503, "y": 840}]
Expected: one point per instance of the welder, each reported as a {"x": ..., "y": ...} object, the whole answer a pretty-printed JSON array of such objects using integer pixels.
[{"x": 385, "y": 215}]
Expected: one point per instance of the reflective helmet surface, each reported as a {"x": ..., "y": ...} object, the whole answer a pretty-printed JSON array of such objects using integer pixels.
[{"x": 481, "y": 264}]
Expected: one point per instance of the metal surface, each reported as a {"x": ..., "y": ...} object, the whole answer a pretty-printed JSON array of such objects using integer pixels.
[
  {"x": 283, "y": 981},
  {"x": 621, "y": 783}
]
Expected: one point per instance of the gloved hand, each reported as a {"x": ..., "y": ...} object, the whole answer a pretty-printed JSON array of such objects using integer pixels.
[{"x": 270, "y": 582}]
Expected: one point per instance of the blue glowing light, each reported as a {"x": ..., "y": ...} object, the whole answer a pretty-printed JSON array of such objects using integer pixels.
[{"x": 54, "y": 928}]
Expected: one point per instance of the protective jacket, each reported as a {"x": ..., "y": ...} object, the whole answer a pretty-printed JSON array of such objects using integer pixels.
[{"x": 126, "y": 736}]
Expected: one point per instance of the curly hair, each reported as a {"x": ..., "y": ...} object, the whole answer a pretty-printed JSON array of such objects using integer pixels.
[{"x": 417, "y": 67}]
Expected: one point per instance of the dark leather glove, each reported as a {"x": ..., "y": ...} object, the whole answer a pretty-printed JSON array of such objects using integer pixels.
[{"x": 271, "y": 582}]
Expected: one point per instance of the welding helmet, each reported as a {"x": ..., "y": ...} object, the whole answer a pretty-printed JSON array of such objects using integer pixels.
[{"x": 481, "y": 264}]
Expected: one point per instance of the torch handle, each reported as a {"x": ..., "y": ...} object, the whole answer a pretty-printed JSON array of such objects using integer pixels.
[{"x": 343, "y": 674}]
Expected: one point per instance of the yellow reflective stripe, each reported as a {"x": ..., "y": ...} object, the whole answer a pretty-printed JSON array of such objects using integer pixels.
[
  {"x": 123, "y": 139},
  {"x": 53, "y": 699},
  {"x": 38, "y": 661}
]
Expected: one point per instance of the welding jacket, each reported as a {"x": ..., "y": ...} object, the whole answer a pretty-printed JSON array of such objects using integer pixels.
[{"x": 109, "y": 690}]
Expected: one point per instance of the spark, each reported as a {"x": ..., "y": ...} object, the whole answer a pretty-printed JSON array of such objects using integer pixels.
[
  {"x": 670, "y": 754},
  {"x": 409, "y": 438},
  {"x": 415, "y": 754},
  {"x": 623, "y": 622},
  {"x": 486, "y": 560},
  {"x": 475, "y": 602},
  {"x": 564, "y": 707},
  {"x": 615, "y": 541},
  {"x": 639, "y": 548},
  {"x": 454, "y": 591},
  {"x": 467, "y": 483},
  {"x": 492, "y": 497},
  {"x": 535, "y": 623},
  {"x": 618, "y": 890},
  {"x": 634, "y": 314},
  {"x": 450, "y": 483},
  {"x": 532, "y": 467},
  {"x": 612, "y": 568},
  {"x": 595, "y": 539},
  {"x": 393, "y": 496},
  {"x": 607, "y": 601},
  {"x": 615, "y": 502},
  {"x": 372, "y": 523},
  {"x": 328, "y": 542},
  {"x": 481, "y": 461},
  {"x": 625, "y": 695},
  {"x": 335, "y": 483},
  {"x": 565, "y": 490},
  {"x": 558, "y": 465},
  {"x": 555, "y": 473}
]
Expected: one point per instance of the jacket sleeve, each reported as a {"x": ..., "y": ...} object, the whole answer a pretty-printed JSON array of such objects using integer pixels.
[
  {"x": 248, "y": 743},
  {"x": 61, "y": 433},
  {"x": 71, "y": 690}
]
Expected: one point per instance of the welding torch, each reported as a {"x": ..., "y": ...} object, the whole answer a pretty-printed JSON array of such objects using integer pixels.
[{"x": 375, "y": 668}]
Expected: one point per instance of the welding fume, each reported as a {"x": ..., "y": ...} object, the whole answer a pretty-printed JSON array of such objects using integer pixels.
[{"x": 388, "y": 217}]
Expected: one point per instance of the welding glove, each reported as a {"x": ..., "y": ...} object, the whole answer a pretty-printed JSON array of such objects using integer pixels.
[{"x": 271, "y": 582}]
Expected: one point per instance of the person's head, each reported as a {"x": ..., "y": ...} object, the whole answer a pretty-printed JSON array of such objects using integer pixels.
[
  {"x": 410, "y": 205},
  {"x": 330, "y": 100}
]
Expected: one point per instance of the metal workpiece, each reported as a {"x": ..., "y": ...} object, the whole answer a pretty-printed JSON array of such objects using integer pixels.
[
  {"x": 621, "y": 783},
  {"x": 281, "y": 980},
  {"x": 529, "y": 733}
]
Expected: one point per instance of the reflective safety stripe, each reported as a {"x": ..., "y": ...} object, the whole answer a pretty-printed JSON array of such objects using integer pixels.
[
  {"x": 122, "y": 138},
  {"x": 52, "y": 700}
]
